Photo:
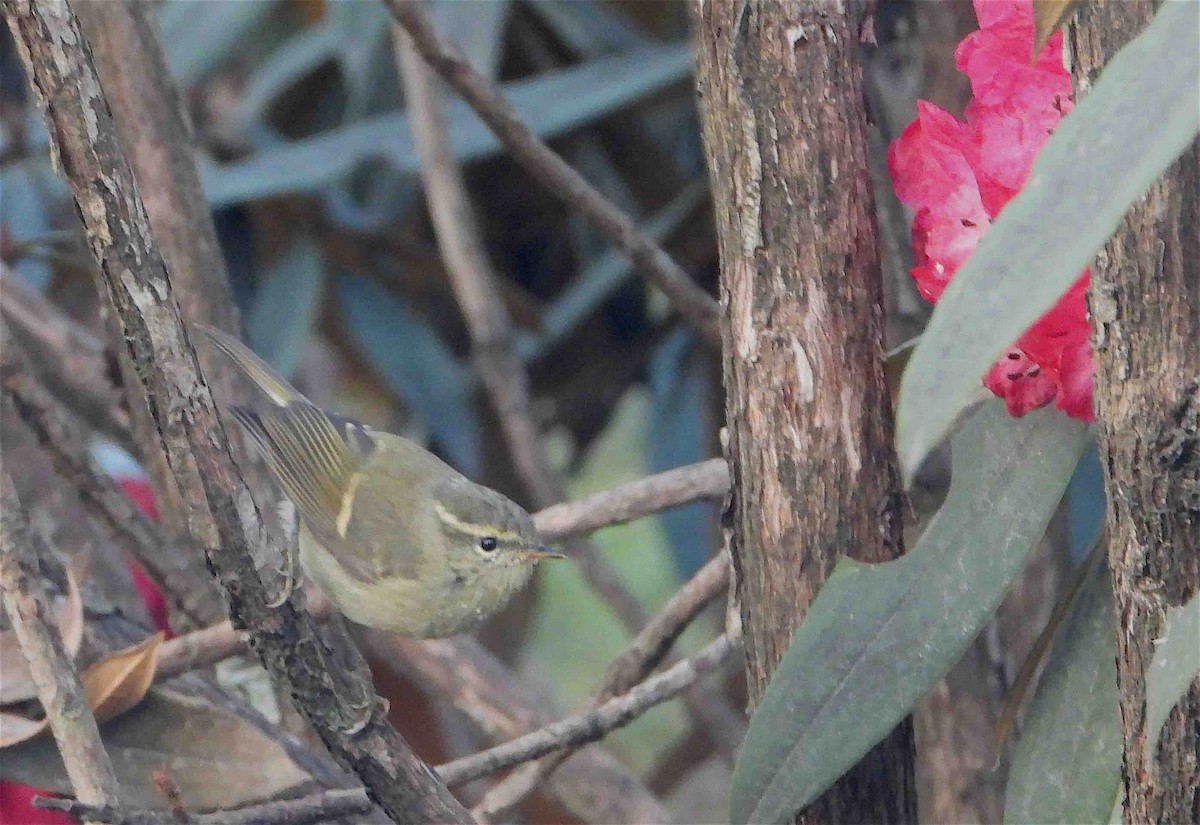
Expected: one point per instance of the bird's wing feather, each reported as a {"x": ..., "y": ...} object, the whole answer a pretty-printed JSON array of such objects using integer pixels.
[{"x": 321, "y": 461}]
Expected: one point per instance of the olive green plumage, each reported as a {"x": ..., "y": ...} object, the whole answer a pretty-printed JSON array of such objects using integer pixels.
[{"x": 395, "y": 537}]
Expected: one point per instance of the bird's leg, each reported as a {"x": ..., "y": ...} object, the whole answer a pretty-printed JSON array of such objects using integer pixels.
[{"x": 365, "y": 710}]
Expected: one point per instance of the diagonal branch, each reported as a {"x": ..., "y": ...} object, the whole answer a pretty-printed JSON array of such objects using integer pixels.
[
  {"x": 698, "y": 309},
  {"x": 634, "y": 664},
  {"x": 162, "y": 368},
  {"x": 594, "y": 724},
  {"x": 58, "y": 685},
  {"x": 499, "y": 365}
]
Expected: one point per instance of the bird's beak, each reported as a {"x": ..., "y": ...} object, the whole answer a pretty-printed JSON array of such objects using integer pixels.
[{"x": 542, "y": 552}]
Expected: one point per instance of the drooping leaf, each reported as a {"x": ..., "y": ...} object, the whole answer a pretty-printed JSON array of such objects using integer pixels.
[
  {"x": 877, "y": 637},
  {"x": 476, "y": 28},
  {"x": 24, "y": 214},
  {"x": 217, "y": 759},
  {"x": 1067, "y": 764},
  {"x": 581, "y": 94},
  {"x": 199, "y": 37},
  {"x": 414, "y": 362},
  {"x": 603, "y": 276},
  {"x": 285, "y": 306},
  {"x": 590, "y": 28},
  {"x": 1176, "y": 663},
  {"x": 680, "y": 409},
  {"x": 1133, "y": 123}
]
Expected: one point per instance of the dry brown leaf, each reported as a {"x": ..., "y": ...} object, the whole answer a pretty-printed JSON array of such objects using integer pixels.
[
  {"x": 16, "y": 685},
  {"x": 118, "y": 682},
  {"x": 1048, "y": 15},
  {"x": 15, "y": 729},
  {"x": 218, "y": 759},
  {"x": 112, "y": 686}
]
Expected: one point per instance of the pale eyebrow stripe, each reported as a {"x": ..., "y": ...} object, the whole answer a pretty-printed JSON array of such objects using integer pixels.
[{"x": 482, "y": 531}]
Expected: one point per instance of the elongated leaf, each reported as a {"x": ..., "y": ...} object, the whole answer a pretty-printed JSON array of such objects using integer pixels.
[
  {"x": 1107, "y": 151},
  {"x": 476, "y": 28},
  {"x": 603, "y": 276},
  {"x": 218, "y": 760},
  {"x": 1067, "y": 765},
  {"x": 877, "y": 637},
  {"x": 680, "y": 413},
  {"x": 411, "y": 359},
  {"x": 1176, "y": 663},
  {"x": 199, "y": 37},
  {"x": 580, "y": 94},
  {"x": 285, "y": 306}
]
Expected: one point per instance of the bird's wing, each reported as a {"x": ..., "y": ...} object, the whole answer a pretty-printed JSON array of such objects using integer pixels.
[{"x": 317, "y": 466}]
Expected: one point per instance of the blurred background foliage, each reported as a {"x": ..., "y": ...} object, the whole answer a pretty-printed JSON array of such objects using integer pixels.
[{"x": 308, "y": 163}]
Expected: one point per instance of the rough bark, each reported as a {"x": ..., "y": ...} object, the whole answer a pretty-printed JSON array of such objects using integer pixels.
[
  {"x": 1145, "y": 306},
  {"x": 324, "y": 674},
  {"x": 148, "y": 115},
  {"x": 808, "y": 412}
]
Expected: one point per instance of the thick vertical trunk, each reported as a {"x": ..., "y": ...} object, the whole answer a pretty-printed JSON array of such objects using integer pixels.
[
  {"x": 810, "y": 428},
  {"x": 1145, "y": 306}
]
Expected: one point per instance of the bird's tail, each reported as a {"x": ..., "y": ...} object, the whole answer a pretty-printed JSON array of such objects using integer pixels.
[{"x": 260, "y": 373}]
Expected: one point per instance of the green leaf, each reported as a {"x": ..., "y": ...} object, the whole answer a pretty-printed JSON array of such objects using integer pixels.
[
  {"x": 878, "y": 637},
  {"x": 1067, "y": 766},
  {"x": 199, "y": 37},
  {"x": 581, "y": 94},
  {"x": 285, "y": 307},
  {"x": 1136, "y": 120},
  {"x": 1176, "y": 663}
]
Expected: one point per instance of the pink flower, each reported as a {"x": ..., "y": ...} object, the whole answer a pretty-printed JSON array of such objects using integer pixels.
[{"x": 958, "y": 175}]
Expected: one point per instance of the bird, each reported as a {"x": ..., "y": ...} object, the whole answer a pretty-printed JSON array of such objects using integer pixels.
[{"x": 395, "y": 537}]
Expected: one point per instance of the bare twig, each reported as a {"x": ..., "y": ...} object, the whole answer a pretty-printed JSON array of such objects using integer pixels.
[
  {"x": 593, "y": 725},
  {"x": 698, "y": 309},
  {"x": 66, "y": 446},
  {"x": 162, "y": 368},
  {"x": 634, "y": 664},
  {"x": 491, "y": 329},
  {"x": 70, "y": 361},
  {"x": 637, "y": 499},
  {"x": 323, "y": 806},
  {"x": 58, "y": 686}
]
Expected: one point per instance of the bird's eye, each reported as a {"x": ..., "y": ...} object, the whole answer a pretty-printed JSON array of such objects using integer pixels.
[{"x": 487, "y": 544}]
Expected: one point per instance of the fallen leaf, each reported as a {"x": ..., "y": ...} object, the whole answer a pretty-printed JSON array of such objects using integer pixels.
[
  {"x": 15, "y": 728},
  {"x": 118, "y": 682},
  {"x": 218, "y": 759},
  {"x": 17, "y": 685},
  {"x": 112, "y": 686}
]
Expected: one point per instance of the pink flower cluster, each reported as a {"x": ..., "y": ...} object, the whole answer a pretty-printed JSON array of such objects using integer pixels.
[{"x": 957, "y": 176}]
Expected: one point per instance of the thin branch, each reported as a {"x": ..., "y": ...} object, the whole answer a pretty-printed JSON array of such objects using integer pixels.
[
  {"x": 502, "y": 705},
  {"x": 593, "y": 725},
  {"x": 474, "y": 286},
  {"x": 70, "y": 361},
  {"x": 637, "y": 499},
  {"x": 697, "y": 308},
  {"x": 499, "y": 364},
  {"x": 634, "y": 664},
  {"x": 322, "y": 806},
  {"x": 334, "y": 696},
  {"x": 66, "y": 446},
  {"x": 61, "y": 694}
]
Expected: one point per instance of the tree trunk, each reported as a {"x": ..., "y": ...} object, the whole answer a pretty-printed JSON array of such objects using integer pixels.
[
  {"x": 808, "y": 412},
  {"x": 1145, "y": 307}
]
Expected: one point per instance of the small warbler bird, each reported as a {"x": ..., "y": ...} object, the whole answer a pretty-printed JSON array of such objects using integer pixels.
[{"x": 396, "y": 538}]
